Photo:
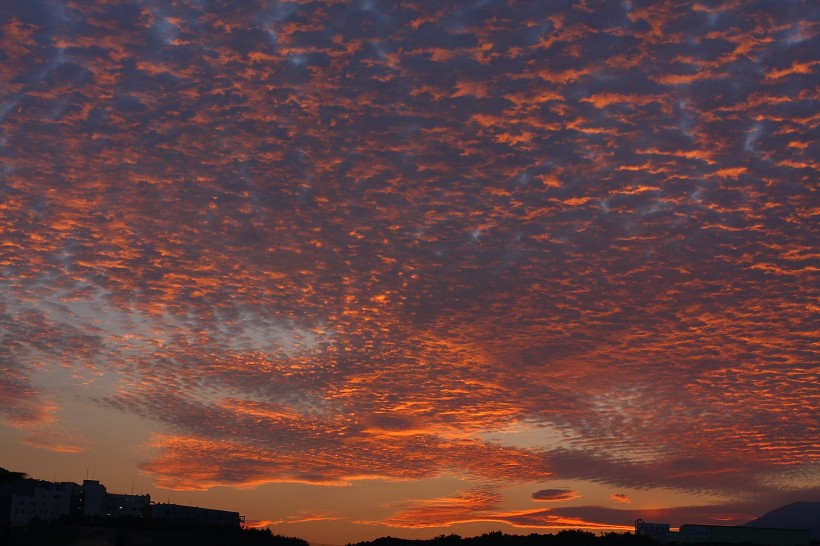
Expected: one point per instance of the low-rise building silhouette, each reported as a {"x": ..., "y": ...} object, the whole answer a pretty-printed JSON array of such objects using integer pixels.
[
  {"x": 195, "y": 514},
  {"x": 659, "y": 532},
  {"x": 720, "y": 534},
  {"x": 135, "y": 506},
  {"x": 44, "y": 501},
  {"x": 24, "y": 500}
]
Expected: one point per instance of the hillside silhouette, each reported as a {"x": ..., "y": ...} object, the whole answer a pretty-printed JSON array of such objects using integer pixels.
[{"x": 797, "y": 515}]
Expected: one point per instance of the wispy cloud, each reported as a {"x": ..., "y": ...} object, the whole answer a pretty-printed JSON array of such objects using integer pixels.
[{"x": 482, "y": 504}]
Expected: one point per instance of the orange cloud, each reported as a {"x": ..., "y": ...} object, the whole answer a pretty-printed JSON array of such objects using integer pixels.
[
  {"x": 321, "y": 245},
  {"x": 56, "y": 441},
  {"x": 482, "y": 505}
]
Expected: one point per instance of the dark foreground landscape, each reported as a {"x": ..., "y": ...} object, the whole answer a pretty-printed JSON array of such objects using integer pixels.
[
  {"x": 100, "y": 532},
  {"x": 108, "y": 532},
  {"x": 497, "y": 538},
  {"x": 75, "y": 532}
]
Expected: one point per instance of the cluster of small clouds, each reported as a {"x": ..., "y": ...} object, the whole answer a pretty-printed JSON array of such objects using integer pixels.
[
  {"x": 316, "y": 242},
  {"x": 482, "y": 505}
]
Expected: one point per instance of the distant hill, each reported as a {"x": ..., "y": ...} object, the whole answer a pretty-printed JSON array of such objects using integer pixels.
[{"x": 798, "y": 515}]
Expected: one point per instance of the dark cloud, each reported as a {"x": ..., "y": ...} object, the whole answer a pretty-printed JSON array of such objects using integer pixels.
[{"x": 555, "y": 495}]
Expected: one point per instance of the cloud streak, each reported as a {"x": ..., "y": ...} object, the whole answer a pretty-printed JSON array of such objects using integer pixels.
[{"x": 483, "y": 505}]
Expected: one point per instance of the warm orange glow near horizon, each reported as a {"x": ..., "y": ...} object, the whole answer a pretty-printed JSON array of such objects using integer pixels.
[{"x": 354, "y": 268}]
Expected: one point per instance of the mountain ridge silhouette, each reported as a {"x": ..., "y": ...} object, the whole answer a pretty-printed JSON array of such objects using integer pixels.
[{"x": 797, "y": 515}]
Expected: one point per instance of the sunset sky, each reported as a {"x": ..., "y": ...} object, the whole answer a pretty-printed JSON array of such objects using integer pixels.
[{"x": 365, "y": 268}]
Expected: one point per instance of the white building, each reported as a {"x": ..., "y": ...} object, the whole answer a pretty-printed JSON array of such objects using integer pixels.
[
  {"x": 659, "y": 532},
  {"x": 45, "y": 502}
]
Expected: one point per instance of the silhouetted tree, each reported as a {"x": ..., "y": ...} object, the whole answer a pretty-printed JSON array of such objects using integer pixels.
[
  {"x": 9, "y": 476},
  {"x": 571, "y": 537}
]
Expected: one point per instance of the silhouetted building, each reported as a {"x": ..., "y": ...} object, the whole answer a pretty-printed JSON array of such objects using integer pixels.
[
  {"x": 23, "y": 500},
  {"x": 135, "y": 506},
  {"x": 718, "y": 534},
  {"x": 26, "y": 500},
  {"x": 45, "y": 501},
  {"x": 194, "y": 514},
  {"x": 91, "y": 498},
  {"x": 659, "y": 532}
]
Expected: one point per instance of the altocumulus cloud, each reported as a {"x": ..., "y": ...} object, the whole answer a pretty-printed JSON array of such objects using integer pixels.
[{"x": 322, "y": 243}]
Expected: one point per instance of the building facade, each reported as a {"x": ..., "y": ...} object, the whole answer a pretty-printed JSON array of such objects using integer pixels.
[
  {"x": 133, "y": 506},
  {"x": 659, "y": 532},
  {"x": 28, "y": 500},
  {"x": 25, "y": 500},
  {"x": 195, "y": 514},
  {"x": 43, "y": 501},
  {"x": 694, "y": 534},
  {"x": 90, "y": 498}
]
